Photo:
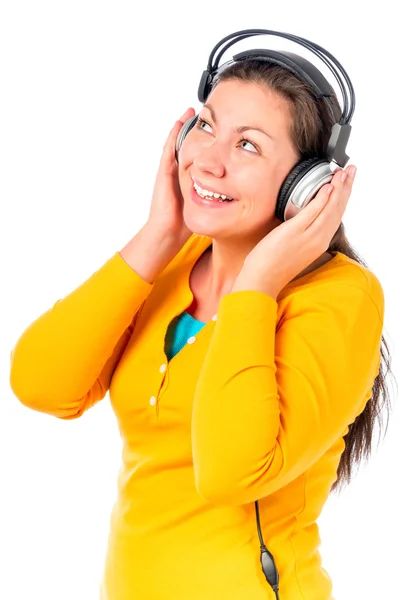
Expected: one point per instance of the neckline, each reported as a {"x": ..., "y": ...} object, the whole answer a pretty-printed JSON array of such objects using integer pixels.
[
  {"x": 203, "y": 243},
  {"x": 186, "y": 314}
]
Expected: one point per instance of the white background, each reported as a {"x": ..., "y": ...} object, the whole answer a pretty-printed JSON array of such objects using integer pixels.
[{"x": 89, "y": 92}]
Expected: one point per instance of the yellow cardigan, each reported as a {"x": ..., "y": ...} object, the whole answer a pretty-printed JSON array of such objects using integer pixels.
[{"x": 255, "y": 406}]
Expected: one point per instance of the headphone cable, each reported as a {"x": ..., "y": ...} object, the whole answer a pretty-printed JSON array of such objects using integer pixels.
[{"x": 267, "y": 560}]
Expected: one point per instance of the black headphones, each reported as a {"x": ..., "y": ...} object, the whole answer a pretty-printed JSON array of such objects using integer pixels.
[{"x": 307, "y": 176}]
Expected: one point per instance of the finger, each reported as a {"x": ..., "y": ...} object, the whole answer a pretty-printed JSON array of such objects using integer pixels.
[
  {"x": 313, "y": 209},
  {"x": 343, "y": 184},
  {"x": 334, "y": 206},
  {"x": 177, "y": 126},
  {"x": 341, "y": 181},
  {"x": 168, "y": 155},
  {"x": 187, "y": 114},
  {"x": 350, "y": 172},
  {"x": 171, "y": 152}
]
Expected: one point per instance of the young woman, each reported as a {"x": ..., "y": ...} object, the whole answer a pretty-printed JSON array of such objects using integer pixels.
[{"x": 242, "y": 355}]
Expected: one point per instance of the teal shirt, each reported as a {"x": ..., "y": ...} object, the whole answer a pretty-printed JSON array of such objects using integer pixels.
[{"x": 179, "y": 331}]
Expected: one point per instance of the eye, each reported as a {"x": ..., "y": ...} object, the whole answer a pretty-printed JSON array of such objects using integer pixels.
[
  {"x": 201, "y": 122},
  {"x": 247, "y": 142}
]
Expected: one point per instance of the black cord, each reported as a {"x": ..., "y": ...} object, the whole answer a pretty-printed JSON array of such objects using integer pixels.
[{"x": 267, "y": 560}]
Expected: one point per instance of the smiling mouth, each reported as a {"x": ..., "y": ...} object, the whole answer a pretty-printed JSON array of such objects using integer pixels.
[{"x": 220, "y": 198}]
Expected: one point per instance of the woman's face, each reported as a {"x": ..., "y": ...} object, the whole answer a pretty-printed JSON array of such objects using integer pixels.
[{"x": 249, "y": 166}]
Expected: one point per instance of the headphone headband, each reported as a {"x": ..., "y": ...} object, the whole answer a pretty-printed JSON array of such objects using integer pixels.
[{"x": 319, "y": 51}]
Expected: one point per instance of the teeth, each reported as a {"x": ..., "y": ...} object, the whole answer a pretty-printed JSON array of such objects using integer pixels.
[{"x": 206, "y": 193}]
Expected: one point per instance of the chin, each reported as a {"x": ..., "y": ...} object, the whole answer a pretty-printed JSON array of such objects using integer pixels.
[
  {"x": 203, "y": 222},
  {"x": 201, "y": 228}
]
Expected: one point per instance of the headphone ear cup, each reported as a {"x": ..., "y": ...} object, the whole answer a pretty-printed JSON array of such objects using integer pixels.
[
  {"x": 301, "y": 185},
  {"x": 184, "y": 130},
  {"x": 204, "y": 86}
]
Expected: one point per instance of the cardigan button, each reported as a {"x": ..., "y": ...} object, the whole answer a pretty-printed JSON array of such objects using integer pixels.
[
  {"x": 153, "y": 400},
  {"x": 191, "y": 340},
  {"x": 162, "y": 368}
]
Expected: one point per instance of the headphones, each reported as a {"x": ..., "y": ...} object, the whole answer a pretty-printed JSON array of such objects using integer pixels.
[{"x": 307, "y": 176}]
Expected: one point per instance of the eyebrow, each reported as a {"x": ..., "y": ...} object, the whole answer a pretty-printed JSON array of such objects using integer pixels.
[{"x": 238, "y": 128}]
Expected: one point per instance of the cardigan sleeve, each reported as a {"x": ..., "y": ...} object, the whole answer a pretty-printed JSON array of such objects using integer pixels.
[
  {"x": 270, "y": 399},
  {"x": 63, "y": 362}
]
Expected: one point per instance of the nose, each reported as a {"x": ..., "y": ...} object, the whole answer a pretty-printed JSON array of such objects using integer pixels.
[{"x": 209, "y": 160}]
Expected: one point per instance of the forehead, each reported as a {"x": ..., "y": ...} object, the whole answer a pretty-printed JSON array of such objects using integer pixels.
[
  {"x": 248, "y": 98},
  {"x": 238, "y": 103}
]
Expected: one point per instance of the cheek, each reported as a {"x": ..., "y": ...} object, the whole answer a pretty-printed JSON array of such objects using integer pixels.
[
  {"x": 189, "y": 148},
  {"x": 262, "y": 199},
  {"x": 269, "y": 185}
]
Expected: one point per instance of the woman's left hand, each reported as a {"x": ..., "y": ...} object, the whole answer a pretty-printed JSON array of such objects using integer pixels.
[{"x": 295, "y": 244}]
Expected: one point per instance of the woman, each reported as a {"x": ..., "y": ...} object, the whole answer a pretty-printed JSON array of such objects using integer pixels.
[{"x": 242, "y": 356}]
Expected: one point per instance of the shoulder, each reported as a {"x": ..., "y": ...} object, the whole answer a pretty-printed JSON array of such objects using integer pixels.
[{"x": 341, "y": 284}]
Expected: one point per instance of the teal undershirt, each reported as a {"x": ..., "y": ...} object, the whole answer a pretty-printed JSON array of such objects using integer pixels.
[{"x": 180, "y": 330}]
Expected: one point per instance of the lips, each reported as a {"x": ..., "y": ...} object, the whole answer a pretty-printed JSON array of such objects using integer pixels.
[
  {"x": 210, "y": 189},
  {"x": 208, "y": 202}
]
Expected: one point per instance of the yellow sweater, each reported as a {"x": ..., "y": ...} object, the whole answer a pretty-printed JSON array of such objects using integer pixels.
[{"x": 255, "y": 406}]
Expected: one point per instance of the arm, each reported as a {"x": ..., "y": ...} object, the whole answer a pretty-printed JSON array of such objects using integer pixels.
[
  {"x": 63, "y": 362},
  {"x": 270, "y": 402},
  {"x": 100, "y": 387}
]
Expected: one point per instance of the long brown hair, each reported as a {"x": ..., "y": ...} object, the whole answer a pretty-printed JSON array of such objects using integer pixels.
[{"x": 311, "y": 127}]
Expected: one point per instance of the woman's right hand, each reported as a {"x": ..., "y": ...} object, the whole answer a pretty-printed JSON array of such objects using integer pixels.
[{"x": 166, "y": 210}]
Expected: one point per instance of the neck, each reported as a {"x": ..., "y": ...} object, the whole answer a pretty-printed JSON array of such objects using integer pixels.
[{"x": 223, "y": 263}]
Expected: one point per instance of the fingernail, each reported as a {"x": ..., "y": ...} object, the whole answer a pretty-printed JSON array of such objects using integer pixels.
[
  {"x": 352, "y": 172},
  {"x": 184, "y": 113},
  {"x": 343, "y": 176}
]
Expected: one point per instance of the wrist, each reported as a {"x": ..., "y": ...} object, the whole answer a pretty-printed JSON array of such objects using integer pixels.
[
  {"x": 248, "y": 280},
  {"x": 148, "y": 253},
  {"x": 169, "y": 241}
]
